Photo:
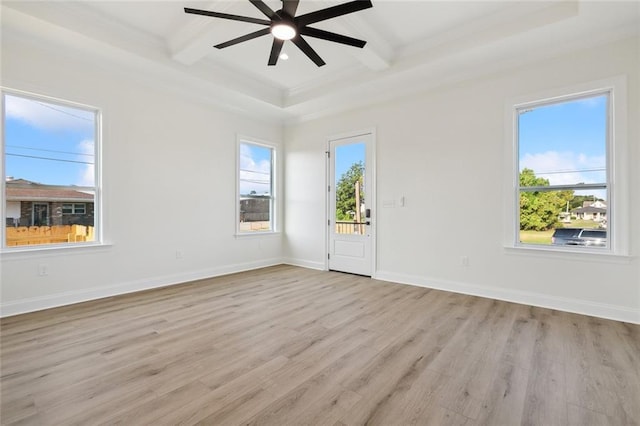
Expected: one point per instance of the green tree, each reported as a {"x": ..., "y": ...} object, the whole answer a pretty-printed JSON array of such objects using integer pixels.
[
  {"x": 539, "y": 210},
  {"x": 346, "y": 191}
]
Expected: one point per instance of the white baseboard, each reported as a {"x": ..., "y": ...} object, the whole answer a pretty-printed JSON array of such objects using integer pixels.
[
  {"x": 67, "y": 298},
  {"x": 304, "y": 263},
  {"x": 584, "y": 307}
]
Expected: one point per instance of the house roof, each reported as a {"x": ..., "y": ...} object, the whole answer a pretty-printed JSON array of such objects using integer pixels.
[
  {"x": 589, "y": 209},
  {"x": 593, "y": 204},
  {"x": 24, "y": 190}
]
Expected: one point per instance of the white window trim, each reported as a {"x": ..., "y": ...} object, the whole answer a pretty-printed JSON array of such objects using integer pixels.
[
  {"x": 617, "y": 168},
  {"x": 275, "y": 187},
  {"x": 98, "y": 190}
]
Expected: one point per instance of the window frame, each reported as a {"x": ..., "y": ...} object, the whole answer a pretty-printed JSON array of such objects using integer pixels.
[
  {"x": 65, "y": 208},
  {"x": 74, "y": 208},
  {"x": 98, "y": 220},
  {"x": 617, "y": 166},
  {"x": 273, "y": 198}
]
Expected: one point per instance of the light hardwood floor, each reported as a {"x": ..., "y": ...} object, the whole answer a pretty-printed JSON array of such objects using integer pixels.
[{"x": 290, "y": 346}]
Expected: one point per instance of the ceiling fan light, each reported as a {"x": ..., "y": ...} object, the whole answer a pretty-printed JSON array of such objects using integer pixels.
[{"x": 283, "y": 31}]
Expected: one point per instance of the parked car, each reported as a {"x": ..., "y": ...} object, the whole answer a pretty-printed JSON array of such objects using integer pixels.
[
  {"x": 562, "y": 235},
  {"x": 589, "y": 238}
]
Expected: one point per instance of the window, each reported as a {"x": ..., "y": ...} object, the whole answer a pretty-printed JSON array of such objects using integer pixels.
[
  {"x": 564, "y": 150},
  {"x": 73, "y": 208},
  {"x": 50, "y": 192},
  {"x": 255, "y": 187}
]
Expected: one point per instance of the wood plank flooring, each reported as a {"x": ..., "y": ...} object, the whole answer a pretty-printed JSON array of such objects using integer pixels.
[{"x": 291, "y": 346}]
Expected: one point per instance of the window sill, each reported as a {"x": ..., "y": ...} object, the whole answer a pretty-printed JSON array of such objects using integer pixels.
[
  {"x": 258, "y": 234},
  {"x": 584, "y": 255},
  {"x": 52, "y": 250}
]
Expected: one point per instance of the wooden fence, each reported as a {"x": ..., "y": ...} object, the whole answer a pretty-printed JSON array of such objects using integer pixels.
[
  {"x": 31, "y": 235},
  {"x": 263, "y": 225},
  {"x": 350, "y": 228}
]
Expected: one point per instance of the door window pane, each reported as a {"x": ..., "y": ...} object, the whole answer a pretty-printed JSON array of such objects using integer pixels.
[{"x": 349, "y": 184}]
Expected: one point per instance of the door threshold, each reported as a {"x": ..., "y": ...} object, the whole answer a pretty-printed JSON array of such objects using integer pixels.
[{"x": 350, "y": 273}]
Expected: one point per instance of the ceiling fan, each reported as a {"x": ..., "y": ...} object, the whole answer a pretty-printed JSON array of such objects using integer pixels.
[{"x": 284, "y": 25}]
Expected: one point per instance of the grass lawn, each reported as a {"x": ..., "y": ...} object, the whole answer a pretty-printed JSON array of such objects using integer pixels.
[
  {"x": 544, "y": 237},
  {"x": 536, "y": 237},
  {"x": 578, "y": 223}
]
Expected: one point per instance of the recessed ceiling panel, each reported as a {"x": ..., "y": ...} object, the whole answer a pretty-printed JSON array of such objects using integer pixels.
[{"x": 411, "y": 44}]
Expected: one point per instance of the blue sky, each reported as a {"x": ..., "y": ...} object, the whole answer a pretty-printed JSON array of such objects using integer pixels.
[
  {"x": 346, "y": 155},
  {"x": 54, "y": 144},
  {"x": 566, "y": 142},
  {"x": 48, "y": 143},
  {"x": 255, "y": 169}
]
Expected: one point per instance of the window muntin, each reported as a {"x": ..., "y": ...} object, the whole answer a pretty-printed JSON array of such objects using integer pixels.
[
  {"x": 50, "y": 192},
  {"x": 256, "y": 205},
  {"x": 563, "y": 168}
]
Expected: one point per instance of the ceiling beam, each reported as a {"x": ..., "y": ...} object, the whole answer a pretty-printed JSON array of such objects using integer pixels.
[
  {"x": 377, "y": 54},
  {"x": 195, "y": 39}
]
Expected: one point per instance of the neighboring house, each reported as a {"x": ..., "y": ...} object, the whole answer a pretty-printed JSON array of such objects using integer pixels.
[
  {"x": 34, "y": 204},
  {"x": 254, "y": 209},
  {"x": 598, "y": 203},
  {"x": 564, "y": 217},
  {"x": 591, "y": 210}
]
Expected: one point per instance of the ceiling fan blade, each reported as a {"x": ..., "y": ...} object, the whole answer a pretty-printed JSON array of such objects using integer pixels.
[
  {"x": 227, "y": 16},
  {"x": 308, "y": 50},
  {"x": 290, "y": 6},
  {"x": 332, "y": 12},
  {"x": 251, "y": 36},
  {"x": 326, "y": 35},
  {"x": 276, "y": 48},
  {"x": 263, "y": 8}
]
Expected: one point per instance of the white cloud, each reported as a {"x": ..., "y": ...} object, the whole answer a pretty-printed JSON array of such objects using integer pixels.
[
  {"x": 87, "y": 175},
  {"x": 592, "y": 102},
  {"x": 47, "y": 116},
  {"x": 565, "y": 167}
]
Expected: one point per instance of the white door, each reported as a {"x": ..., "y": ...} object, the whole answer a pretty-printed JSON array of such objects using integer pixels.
[{"x": 351, "y": 204}]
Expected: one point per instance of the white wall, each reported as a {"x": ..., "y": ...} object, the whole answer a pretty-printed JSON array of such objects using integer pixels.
[
  {"x": 444, "y": 151},
  {"x": 169, "y": 168},
  {"x": 169, "y": 184}
]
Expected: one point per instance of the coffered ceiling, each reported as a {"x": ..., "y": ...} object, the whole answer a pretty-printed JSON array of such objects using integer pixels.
[{"x": 411, "y": 46}]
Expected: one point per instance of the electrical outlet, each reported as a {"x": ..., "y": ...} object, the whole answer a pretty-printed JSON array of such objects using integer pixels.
[
  {"x": 43, "y": 270},
  {"x": 464, "y": 261},
  {"x": 179, "y": 254}
]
